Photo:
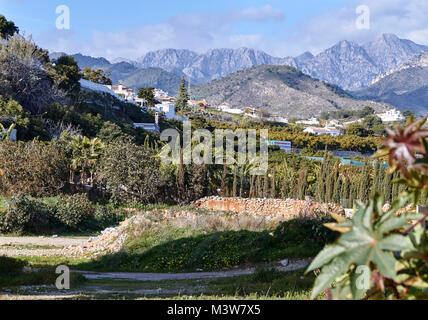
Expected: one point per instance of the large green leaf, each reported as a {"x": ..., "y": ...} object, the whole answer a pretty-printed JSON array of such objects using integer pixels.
[
  {"x": 395, "y": 242},
  {"x": 325, "y": 256},
  {"x": 332, "y": 271},
  {"x": 385, "y": 262},
  {"x": 364, "y": 245}
]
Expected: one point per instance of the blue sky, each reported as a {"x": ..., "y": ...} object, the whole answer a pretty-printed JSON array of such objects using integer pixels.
[{"x": 130, "y": 28}]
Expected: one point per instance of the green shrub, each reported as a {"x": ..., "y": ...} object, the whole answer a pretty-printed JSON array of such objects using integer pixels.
[
  {"x": 24, "y": 215},
  {"x": 74, "y": 211},
  {"x": 105, "y": 217},
  {"x": 306, "y": 231},
  {"x": 10, "y": 266}
]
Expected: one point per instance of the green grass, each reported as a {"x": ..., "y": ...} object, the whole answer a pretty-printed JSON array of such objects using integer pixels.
[
  {"x": 264, "y": 285},
  {"x": 278, "y": 285},
  {"x": 170, "y": 249},
  {"x": 45, "y": 276},
  {"x": 52, "y": 261},
  {"x": 12, "y": 274}
]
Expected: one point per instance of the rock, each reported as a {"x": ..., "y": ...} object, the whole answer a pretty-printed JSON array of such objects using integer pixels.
[{"x": 285, "y": 262}]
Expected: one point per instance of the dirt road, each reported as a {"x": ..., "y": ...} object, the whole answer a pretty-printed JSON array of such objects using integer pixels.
[{"x": 36, "y": 246}]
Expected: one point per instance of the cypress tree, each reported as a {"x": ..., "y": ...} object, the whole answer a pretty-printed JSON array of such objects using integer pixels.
[
  {"x": 181, "y": 103},
  {"x": 345, "y": 193},
  {"x": 364, "y": 186}
]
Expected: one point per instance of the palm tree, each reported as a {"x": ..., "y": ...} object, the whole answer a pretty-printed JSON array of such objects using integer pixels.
[
  {"x": 86, "y": 154},
  {"x": 242, "y": 171},
  {"x": 96, "y": 151}
]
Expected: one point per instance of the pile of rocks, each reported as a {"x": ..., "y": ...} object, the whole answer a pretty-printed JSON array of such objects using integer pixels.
[
  {"x": 283, "y": 209},
  {"x": 110, "y": 241}
]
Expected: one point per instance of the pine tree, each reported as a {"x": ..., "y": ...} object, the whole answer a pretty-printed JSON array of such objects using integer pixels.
[{"x": 181, "y": 103}]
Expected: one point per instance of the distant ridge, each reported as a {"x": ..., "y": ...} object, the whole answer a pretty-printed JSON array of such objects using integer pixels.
[
  {"x": 347, "y": 64},
  {"x": 281, "y": 91}
]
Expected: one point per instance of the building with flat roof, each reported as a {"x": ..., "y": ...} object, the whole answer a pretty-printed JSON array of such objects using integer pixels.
[{"x": 327, "y": 130}]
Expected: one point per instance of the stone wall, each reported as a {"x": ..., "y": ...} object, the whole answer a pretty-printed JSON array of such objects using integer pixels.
[{"x": 283, "y": 209}]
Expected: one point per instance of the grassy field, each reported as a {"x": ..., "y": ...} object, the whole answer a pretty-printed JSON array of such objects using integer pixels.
[
  {"x": 164, "y": 242},
  {"x": 264, "y": 284},
  {"x": 213, "y": 243}
]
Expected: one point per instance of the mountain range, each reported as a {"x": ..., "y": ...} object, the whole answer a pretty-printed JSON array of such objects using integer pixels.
[
  {"x": 350, "y": 66},
  {"x": 405, "y": 87},
  {"x": 347, "y": 64},
  {"x": 282, "y": 91}
]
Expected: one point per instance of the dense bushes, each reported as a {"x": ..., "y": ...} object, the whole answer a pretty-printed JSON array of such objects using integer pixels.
[
  {"x": 66, "y": 213},
  {"x": 74, "y": 211},
  {"x": 24, "y": 215},
  {"x": 32, "y": 168},
  {"x": 130, "y": 172}
]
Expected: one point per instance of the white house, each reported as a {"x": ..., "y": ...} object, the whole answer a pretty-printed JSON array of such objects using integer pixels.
[
  {"x": 280, "y": 119},
  {"x": 124, "y": 92},
  {"x": 310, "y": 122},
  {"x": 234, "y": 111},
  {"x": 327, "y": 130},
  {"x": 392, "y": 115},
  {"x": 153, "y": 127},
  {"x": 228, "y": 109},
  {"x": 168, "y": 111},
  {"x": 92, "y": 86},
  {"x": 334, "y": 124}
]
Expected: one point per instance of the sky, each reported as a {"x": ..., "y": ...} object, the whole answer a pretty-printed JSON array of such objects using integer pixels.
[{"x": 131, "y": 28}]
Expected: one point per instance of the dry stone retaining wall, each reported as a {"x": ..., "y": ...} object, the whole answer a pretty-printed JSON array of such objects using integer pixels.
[{"x": 284, "y": 209}]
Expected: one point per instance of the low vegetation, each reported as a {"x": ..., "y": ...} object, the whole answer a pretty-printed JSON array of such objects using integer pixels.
[
  {"x": 214, "y": 243},
  {"x": 12, "y": 275}
]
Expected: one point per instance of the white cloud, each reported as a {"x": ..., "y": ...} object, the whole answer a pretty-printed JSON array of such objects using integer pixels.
[
  {"x": 198, "y": 32},
  {"x": 405, "y": 18},
  {"x": 203, "y": 31},
  {"x": 260, "y": 14}
]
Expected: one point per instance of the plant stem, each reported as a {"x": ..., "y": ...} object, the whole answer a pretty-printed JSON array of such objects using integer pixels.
[{"x": 414, "y": 226}]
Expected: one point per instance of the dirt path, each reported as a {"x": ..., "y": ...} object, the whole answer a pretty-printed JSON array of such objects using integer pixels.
[
  {"x": 292, "y": 266},
  {"x": 36, "y": 246}
]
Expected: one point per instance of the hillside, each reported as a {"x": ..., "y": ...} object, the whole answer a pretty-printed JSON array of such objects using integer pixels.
[
  {"x": 128, "y": 73},
  {"x": 352, "y": 66},
  {"x": 405, "y": 87},
  {"x": 282, "y": 91},
  {"x": 154, "y": 77},
  {"x": 348, "y": 65}
]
